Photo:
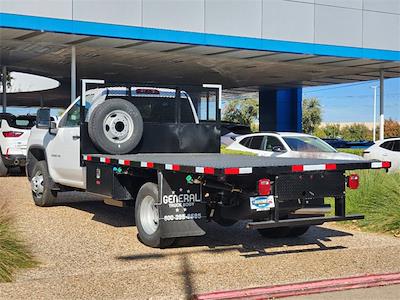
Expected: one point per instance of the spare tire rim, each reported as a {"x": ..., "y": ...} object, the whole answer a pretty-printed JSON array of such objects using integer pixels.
[
  {"x": 118, "y": 126},
  {"x": 37, "y": 184},
  {"x": 149, "y": 216}
]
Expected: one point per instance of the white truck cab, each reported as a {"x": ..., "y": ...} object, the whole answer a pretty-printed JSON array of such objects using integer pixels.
[{"x": 60, "y": 146}]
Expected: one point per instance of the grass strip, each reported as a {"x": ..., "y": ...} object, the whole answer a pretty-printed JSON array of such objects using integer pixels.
[{"x": 14, "y": 254}]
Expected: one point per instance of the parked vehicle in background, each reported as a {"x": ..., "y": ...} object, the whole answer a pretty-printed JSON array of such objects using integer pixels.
[
  {"x": 388, "y": 150},
  {"x": 288, "y": 144},
  {"x": 14, "y": 134},
  {"x": 336, "y": 143},
  {"x": 360, "y": 144},
  {"x": 229, "y": 131}
]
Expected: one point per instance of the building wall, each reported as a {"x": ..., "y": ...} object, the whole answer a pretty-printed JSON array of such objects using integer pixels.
[{"x": 356, "y": 23}]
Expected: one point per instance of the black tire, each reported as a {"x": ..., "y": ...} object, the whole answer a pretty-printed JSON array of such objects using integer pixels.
[
  {"x": 298, "y": 231},
  {"x": 273, "y": 233},
  {"x": 47, "y": 197},
  {"x": 3, "y": 168},
  {"x": 116, "y": 126},
  {"x": 149, "y": 233}
]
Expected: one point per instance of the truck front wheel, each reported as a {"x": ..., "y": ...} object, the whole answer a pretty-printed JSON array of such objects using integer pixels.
[
  {"x": 41, "y": 185},
  {"x": 147, "y": 217}
]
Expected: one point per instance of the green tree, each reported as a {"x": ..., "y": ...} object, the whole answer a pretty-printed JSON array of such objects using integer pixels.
[
  {"x": 311, "y": 115},
  {"x": 356, "y": 132},
  {"x": 332, "y": 131},
  {"x": 241, "y": 111}
]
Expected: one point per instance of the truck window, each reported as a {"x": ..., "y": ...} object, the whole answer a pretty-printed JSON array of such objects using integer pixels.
[
  {"x": 162, "y": 110},
  {"x": 72, "y": 118}
]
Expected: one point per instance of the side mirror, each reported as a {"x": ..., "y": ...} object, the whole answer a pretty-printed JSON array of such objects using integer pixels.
[
  {"x": 277, "y": 149},
  {"x": 43, "y": 118},
  {"x": 53, "y": 128}
]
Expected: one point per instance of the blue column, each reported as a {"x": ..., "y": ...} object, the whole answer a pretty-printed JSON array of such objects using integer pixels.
[{"x": 280, "y": 109}]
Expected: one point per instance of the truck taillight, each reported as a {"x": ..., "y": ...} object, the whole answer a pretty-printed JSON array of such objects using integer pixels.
[
  {"x": 12, "y": 134},
  {"x": 264, "y": 187},
  {"x": 353, "y": 181}
]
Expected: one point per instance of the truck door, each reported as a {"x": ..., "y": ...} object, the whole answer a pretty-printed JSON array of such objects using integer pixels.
[{"x": 63, "y": 152}]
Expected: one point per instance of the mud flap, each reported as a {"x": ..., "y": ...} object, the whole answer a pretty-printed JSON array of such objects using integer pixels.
[{"x": 182, "y": 211}]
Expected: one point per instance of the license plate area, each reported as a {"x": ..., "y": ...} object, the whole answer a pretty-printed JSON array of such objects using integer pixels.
[
  {"x": 262, "y": 203},
  {"x": 309, "y": 185}
]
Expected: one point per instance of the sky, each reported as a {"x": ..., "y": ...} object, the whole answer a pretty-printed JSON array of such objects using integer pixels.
[{"x": 354, "y": 102}]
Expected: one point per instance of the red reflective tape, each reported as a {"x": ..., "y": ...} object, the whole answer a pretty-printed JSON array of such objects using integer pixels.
[
  {"x": 176, "y": 167},
  {"x": 330, "y": 167},
  {"x": 107, "y": 160},
  {"x": 231, "y": 171},
  {"x": 127, "y": 163},
  {"x": 150, "y": 165},
  {"x": 386, "y": 164},
  {"x": 297, "y": 168},
  {"x": 208, "y": 170},
  {"x": 88, "y": 158}
]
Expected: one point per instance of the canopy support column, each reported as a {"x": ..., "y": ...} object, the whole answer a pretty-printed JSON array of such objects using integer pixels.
[
  {"x": 381, "y": 106},
  {"x": 73, "y": 74},
  {"x": 4, "y": 85}
]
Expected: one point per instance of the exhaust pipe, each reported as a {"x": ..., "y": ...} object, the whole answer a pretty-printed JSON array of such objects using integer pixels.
[{"x": 16, "y": 162}]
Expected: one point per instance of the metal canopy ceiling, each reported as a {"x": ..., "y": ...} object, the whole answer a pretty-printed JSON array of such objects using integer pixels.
[{"x": 122, "y": 60}]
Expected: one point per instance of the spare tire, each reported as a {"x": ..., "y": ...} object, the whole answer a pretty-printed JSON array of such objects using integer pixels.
[{"x": 115, "y": 126}]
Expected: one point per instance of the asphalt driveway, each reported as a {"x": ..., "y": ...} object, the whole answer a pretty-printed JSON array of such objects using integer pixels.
[{"x": 90, "y": 250}]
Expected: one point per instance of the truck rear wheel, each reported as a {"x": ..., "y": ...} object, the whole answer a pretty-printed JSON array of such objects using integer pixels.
[
  {"x": 147, "y": 217},
  {"x": 116, "y": 126},
  {"x": 3, "y": 168},
  {"x": 41, "y": 185}
]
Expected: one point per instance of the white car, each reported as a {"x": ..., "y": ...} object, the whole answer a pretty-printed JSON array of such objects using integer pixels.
[
  {"x": 14, "y": 135},
  {"x": 385, "y": 150},
  {"x": 288, "y": 144}
]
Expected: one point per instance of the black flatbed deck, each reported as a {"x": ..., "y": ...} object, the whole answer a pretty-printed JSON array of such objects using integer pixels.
[{"x": 216, "y": 163}]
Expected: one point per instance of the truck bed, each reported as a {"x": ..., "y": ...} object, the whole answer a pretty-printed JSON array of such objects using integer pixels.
[{"x": 225, "y": 164}]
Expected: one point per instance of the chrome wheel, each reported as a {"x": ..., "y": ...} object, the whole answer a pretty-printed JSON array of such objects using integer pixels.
[
  {"x": 37, "y": 184},
  {"x": 118, "y": 126},
  {"x": 149, "y": 216}
]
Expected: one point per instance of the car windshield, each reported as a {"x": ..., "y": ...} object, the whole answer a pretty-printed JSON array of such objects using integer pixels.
[{"x": 307, "y": 144}]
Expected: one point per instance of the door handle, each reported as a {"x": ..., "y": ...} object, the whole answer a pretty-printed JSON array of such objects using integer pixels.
[{"x": 76, "y": 137}]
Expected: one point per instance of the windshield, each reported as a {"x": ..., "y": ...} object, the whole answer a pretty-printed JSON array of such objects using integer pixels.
[{"x": 307, "y": 144}]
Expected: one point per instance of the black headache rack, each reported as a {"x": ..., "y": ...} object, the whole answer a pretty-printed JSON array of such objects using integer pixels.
[{"x": 172, "y": 136}]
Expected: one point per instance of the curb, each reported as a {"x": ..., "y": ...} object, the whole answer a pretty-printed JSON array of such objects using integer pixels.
[{"x": 306, "y": 288}]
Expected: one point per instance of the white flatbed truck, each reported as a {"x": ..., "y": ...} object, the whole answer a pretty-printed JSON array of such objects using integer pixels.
[{"x": 175, "y": 177}]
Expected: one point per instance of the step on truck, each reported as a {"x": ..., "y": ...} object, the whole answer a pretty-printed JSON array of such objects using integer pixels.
[{"x": 148, "y": 148}]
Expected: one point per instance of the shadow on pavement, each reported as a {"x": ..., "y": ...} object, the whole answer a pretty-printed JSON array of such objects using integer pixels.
[{"x": 247, "y": 242}]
